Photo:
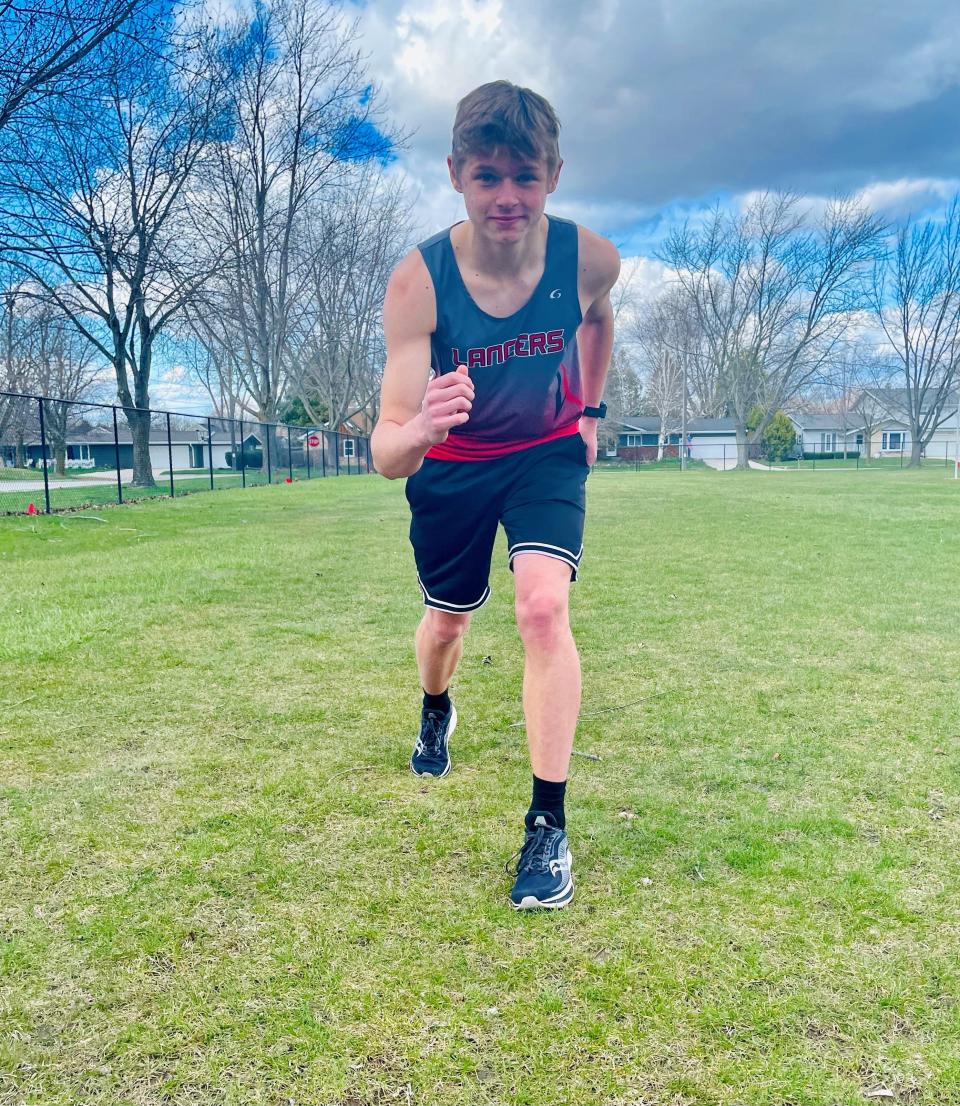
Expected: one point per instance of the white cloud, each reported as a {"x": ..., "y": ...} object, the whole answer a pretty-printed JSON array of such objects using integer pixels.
[{"x": 900, "y": 199}]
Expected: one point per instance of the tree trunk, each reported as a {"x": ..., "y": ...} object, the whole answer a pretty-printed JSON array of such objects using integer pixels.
[
  {"x": 916, "y": 454},
  {"x": 59, "y": 458},
  {"x": 743, "y": 448},
  {"x": 139, "y": 422}
]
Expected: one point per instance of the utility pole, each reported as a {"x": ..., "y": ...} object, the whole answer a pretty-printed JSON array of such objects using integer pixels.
[
  {"x": 957, "y": 444},
  {"x": 683, "y": 418}
]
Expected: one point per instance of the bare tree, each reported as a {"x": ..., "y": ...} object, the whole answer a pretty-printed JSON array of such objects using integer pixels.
[
  {"x": 49, "y": 47},
  {"x": 664, "y": 358},
  {"x": 772, "y": 293},
  {"x": 916, "y": 297},
  {"x": 874, "y": 373},
  {"x": 305, "y": 113},
  {"x": 352, "y": 241},
  {"x": 16, "y": 413},
  {"x": 103, "y": 220},
  {"x": 64, "y": 365}
]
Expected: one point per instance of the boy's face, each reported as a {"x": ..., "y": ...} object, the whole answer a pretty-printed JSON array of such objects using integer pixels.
[{"x": 504, "y": 195}]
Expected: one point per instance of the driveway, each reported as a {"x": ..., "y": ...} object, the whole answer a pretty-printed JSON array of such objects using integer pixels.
[{"x": 94, "y": 480}]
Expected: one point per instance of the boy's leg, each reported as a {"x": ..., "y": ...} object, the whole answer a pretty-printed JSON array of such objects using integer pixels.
[
  {"x": 544, "y": 522},
  {"x": 551, "y": 674},
  {"x": 439, "y": 644},
  {"x": 452, "y": 528}
]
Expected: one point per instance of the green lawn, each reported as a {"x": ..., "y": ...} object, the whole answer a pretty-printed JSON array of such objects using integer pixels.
[{"x": 220, "y": 884}]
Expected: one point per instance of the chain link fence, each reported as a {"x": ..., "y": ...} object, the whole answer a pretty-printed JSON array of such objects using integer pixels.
[
  {"x": 58, "y": 455},
  {"x": 723, "y": 456}
]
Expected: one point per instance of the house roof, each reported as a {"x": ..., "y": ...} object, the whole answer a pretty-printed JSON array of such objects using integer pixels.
[
  {"x": 827, "y": 421},
  {"x": 894, "y": 400},
  {"x": 650, "y": 424}
]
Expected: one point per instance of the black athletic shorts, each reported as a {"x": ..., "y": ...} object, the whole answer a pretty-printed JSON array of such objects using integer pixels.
[{"x": 537, "y": 493}]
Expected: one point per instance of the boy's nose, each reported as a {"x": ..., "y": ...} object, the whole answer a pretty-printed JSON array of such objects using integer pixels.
[{"x": 507, "y": 195}]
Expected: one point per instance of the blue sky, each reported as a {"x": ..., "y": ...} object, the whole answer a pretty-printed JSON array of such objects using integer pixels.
[{"x": 670, "y": 106}]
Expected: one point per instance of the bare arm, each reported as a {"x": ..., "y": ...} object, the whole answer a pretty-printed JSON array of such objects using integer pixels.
[
  {"x": 416, "y": 411},
  {"x": 599, "y": 269}
]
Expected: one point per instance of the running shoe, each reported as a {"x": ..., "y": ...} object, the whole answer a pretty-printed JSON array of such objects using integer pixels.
[
  {"x": 431, "y": 754},
  {"x": 544, "y": 876}
]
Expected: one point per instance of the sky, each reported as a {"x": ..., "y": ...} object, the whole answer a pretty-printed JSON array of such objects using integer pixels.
[
  {"x": 668, "y": 106},
  {"x": 671, "y": 106}
]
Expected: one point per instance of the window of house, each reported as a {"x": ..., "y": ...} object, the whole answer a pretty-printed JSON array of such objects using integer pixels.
[
  {"x": 859, "y": 440},
  {"x": 828, "y": 441},
  {"x": 348, "y": 445},
  {"x": 893, "y": 439}
]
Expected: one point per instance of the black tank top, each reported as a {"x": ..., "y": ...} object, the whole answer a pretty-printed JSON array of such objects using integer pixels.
[{"x": 525, "y": 368}]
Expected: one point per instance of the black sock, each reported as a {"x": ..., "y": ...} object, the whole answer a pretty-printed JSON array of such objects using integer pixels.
[
  {"x": 439, "y": 702},
  {"x": 548, "y": 799}
]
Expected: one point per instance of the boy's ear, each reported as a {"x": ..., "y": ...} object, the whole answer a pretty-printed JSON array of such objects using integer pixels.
[
  {"x": 555, "y": 178},
  {"x": 454, "y": 180}
]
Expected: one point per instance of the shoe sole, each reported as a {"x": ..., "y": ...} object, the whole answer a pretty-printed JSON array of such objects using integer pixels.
[
  {"x": 433, "y": 775},
  {"x": 556, "y": 902}
]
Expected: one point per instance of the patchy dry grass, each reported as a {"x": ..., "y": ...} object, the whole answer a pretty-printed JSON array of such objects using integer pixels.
[{"x": 201, "y": 902}]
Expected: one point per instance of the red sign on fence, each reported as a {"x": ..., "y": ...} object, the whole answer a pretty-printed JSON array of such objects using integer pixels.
[{"x": 313, "y": 441}]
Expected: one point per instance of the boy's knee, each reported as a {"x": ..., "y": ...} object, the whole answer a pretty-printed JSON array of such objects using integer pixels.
[
  {"x": 445, "y": 628},
  {"x": 542, "y": 615}
]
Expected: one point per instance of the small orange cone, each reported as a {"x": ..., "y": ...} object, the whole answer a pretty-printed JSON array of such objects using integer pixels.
[{"x": 32, "y": 509}]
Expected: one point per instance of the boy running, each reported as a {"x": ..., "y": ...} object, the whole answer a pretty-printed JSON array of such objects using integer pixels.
[{"x": 499, "y": 332}]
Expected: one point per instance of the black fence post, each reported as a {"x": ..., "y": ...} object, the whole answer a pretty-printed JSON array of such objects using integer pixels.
[
  {"x": 336, "y": 453},
  {"x": 170, "y": 455},
  {"x": 116, "y": 450},
  {"x": 290, "y": 454},
  {"x": 43, "y": 454},
  {"x": 901, "y": 452},
  {"x": 306, "y": 441},
  {"x": 210, "y": 450},
  {"x": 269, "y": 459},
  {"x": 323, "y": 451},
  {"x": 243, "y": 458}
]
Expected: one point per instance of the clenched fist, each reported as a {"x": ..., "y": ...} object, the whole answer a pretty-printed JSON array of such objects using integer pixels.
[{"x": 447, "y": 403}]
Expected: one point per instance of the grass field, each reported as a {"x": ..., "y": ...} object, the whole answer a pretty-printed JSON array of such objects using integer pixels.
[{"x": 219, "y": 883}]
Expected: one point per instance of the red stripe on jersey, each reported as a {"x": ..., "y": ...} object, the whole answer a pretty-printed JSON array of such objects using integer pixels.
[
  {"x": 565, "y": 381},
  {"x": 465, "y": 449}
]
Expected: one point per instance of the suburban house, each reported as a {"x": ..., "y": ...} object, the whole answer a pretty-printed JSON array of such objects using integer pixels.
[
  {"x": 828, "y": 433},
  {"x": 93, "y": 447},
  {"x": 707, "y": 439},
  {"x": 893, "y": 432},
  {"x": 887, "y": 427}
]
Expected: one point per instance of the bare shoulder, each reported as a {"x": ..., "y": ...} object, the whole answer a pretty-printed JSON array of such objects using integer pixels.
[
  {"x": 599, "y": 264},
  {"x": 410, "y": 297}
]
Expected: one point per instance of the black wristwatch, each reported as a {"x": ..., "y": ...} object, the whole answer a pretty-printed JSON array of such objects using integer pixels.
[{"x": 596, "y": 412}]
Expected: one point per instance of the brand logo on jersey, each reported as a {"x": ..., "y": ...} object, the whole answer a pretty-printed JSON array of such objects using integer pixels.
[{"x": 524, "y": 345}]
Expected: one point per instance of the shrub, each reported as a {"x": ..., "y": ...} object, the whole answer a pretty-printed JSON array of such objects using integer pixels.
[
  {"x": 252, "y": 459},
  {"x": 779, "y": 438}
]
